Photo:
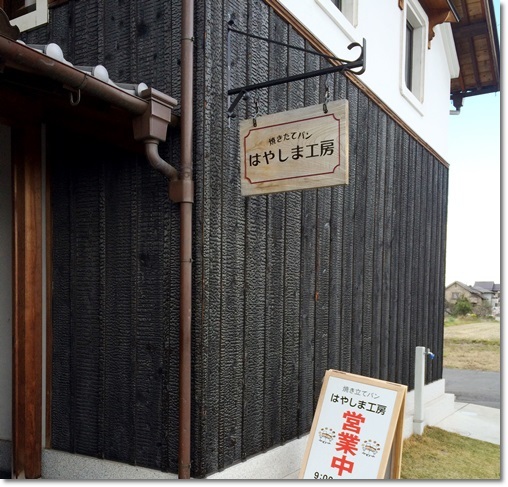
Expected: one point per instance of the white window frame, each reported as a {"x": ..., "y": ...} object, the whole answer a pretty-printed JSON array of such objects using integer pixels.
[
  {"x": 346, "y": 19},
  {"x": 350, "y": 11},
  {"x": 39, "y": 16},
  {"x": 416, "y": 16}
]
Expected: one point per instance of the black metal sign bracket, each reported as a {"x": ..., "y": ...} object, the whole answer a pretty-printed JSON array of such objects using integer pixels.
[{"x": 243, "y": 91}]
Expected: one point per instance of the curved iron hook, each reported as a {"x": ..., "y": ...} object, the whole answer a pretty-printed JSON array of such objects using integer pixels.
[{"x": 361, "y": 58}]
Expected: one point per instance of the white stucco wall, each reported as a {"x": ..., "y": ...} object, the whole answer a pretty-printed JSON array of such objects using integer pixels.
[
  {"x": 5, "y": 285},
  {"x": 381, "y": 23}
]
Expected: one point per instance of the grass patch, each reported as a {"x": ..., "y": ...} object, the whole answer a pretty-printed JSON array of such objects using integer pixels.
[
  {"x": 466, "y": 320},
  {"x": 439, "y": 454},
  {"x": 490, "y": 345},
  {"x": 473, "y": 346},
  {"x": 472, "y": 355}
]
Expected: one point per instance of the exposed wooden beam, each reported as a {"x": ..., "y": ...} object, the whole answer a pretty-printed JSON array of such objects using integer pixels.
[
  {"x": 472, "y": 54},
  {"x": 437, "y": 17},
  {"x": 470, "y": 30},
  {"x": 464, "y": 12},
  {"x": 438, "y": 12}
]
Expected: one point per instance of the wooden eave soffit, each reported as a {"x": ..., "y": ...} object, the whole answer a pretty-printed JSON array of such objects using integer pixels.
[{"x": 438, "y": 12}]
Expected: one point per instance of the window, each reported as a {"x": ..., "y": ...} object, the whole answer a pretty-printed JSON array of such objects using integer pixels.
[
  {"x": 413, "y": 52},
  {"x": 349, "y": 9},
  {"x": 26, "y": 14},
  {"x": 455, "y": 296},
  {"x": 409, "y": 56},
  {"x": 344, "y": 13}
]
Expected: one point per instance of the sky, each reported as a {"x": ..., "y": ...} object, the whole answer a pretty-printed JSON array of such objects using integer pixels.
[{"x": 473, "y": 248}]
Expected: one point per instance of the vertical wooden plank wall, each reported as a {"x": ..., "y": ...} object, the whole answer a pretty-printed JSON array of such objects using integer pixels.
[
  {"x": 276, "y": 236},
  {"x": 332, "y": 278},
  {"x": 285, "y": 285},
  {"x": 115, "y": 327},
  {"x": 113, "y": 353}
]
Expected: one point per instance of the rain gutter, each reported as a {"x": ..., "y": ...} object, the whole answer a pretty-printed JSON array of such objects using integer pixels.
[
  {"x": 20, "y": 56},
  {"x": 152, "y": 109}
]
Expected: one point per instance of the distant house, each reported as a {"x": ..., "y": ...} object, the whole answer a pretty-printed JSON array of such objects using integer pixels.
[
  {"x": 458, "y": 290},
  {"x": 480, "y": 292},
  {"x": 492, "y": 292}
]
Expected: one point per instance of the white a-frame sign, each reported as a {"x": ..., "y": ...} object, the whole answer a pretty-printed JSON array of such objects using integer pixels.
[{"x": 357, "y": 429}]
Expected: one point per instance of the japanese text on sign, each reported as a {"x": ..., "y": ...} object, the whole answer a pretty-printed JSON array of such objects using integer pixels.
[
  {"x": 326, "y": 147},
  {"x": 298, "y": 149},
  {"x": 353, "y": 428}
]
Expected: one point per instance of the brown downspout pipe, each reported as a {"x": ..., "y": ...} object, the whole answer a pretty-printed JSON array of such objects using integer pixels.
[
  {"x": 186, "y": 122},
  {"x": 181, "y": 190}
]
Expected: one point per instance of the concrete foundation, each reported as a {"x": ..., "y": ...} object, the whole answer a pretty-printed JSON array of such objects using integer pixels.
[{"x": 282, "y": 462}]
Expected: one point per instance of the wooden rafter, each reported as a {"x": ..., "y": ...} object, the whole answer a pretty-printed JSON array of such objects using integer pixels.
[
  {"x": 477, "y": 46},
  {"x": 472, "y": 55}
]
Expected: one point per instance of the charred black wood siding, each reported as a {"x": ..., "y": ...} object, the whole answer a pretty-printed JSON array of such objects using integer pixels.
[
  {"x": 285, "y": 285},
  {"x": 115, "y": 254},
  {"x": 115, "y": 347},
  {"x": 346, "y": 277}
]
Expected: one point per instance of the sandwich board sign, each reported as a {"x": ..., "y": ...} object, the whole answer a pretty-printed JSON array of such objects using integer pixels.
[
  {"x": 297, "y": 149},
  {"x": 357, "y": 429}
]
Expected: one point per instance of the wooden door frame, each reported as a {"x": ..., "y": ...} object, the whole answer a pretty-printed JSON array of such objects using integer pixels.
[{"x": 27, "y": 292}]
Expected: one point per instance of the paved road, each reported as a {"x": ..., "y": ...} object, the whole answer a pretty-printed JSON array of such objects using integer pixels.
[{"x": 474, "y": 386}]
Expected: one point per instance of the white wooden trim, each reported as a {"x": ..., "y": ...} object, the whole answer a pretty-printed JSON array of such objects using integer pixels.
[
  {"x": 39, "y": 16},
  {"x": 346, "y": 21},
  {"x": 449, "y": 48}
]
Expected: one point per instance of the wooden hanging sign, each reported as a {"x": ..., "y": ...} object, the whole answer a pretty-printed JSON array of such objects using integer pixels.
[
  {"x": 357, "y": 430},
  {"x": 298, "y": 149}
]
